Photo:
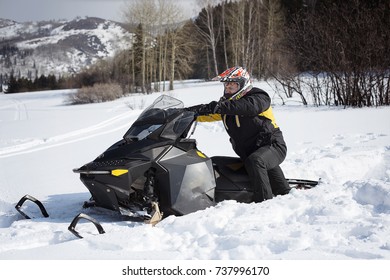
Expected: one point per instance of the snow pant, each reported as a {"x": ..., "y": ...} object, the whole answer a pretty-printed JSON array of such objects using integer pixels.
[{"x": 265, "y": 174}]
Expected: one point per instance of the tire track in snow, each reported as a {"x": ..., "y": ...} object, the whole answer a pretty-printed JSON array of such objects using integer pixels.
[
  {"x": 21, "y": 111},
  {"x": 70, "y": 137}
]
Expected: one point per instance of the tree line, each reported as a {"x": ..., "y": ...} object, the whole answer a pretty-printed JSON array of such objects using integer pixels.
[
  {"x": 23, "y": 84},
  {"x": 341, "y": 53},
  {"x": 337, "y": 51}
]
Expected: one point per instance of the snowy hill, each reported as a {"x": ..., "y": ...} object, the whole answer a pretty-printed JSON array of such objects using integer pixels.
[
  {"x": 347, "y": 217},
  {"x": 58, "y": 47}
]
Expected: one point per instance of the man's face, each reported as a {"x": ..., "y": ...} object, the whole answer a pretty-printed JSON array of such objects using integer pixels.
[{"x": 231, "y": 87}]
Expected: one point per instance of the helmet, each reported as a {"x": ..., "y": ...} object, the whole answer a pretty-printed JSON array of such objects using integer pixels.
[{"x": 239, "y": 75}]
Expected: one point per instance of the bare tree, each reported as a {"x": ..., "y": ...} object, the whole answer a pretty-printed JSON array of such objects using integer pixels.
[
  {"x": 223, "y": 19},
  {"x": 173, "y": 21},
  {"x": 272, "y": 43},
  {"x": 209, "y": 31},
  {"x": 344, "y": 48},
  {"x": 142, "y": 13},
  {"x": 156, "y": 17}
]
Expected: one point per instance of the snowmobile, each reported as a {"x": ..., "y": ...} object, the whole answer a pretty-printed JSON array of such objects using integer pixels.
[{"x": 156, "y": 170}]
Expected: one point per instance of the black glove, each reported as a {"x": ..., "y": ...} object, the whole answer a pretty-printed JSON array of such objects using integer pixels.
[
  {"x": 202, "y": 109},
  {"x": 217, "y": 107},
  {"x": 213, "y": 107}
]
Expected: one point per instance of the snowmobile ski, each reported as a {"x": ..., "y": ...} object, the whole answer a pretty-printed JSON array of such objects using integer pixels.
[
  {"x": 72, "y": 226},
  {"x": 152, "y": 219},
  {"x": 33, "y": 199}
]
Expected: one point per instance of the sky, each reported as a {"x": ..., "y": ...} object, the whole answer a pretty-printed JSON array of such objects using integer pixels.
[{"x": 36, "y": 10}]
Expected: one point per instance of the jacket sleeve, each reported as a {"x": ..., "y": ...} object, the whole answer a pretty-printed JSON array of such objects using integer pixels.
[{"x": 251, "y": 104}]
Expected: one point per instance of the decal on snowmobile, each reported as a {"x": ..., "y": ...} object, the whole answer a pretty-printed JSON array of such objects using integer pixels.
[
  {"x": 119, "y": 172},
  {"x": 202, "y": 155}
]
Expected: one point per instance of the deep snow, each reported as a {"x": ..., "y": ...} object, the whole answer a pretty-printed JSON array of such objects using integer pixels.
[{"x": 346, "y": 217}]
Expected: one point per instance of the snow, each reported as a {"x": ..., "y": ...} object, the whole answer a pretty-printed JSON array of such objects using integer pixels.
[
  {"x": 347, "y": 217},
  {"x": 112, "y": 35}
]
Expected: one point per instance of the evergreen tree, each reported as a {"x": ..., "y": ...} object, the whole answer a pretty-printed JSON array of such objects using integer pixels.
[
  {"x": 139, "y": 58},
  {"x": 12, "y": 85}
]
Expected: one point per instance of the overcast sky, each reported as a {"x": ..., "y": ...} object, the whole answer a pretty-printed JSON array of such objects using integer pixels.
[{"x": 34, "y": 10}]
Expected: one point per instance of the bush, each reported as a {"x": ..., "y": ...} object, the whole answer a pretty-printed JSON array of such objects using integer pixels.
[
  {"x": 96, "y": 94},
  {"x": 343, "y": 48}
]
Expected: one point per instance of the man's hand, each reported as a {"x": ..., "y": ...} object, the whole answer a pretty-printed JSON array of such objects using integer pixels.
[{"x": 202, "y": 109}]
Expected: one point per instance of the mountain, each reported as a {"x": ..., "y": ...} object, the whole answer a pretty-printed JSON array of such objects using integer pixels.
[{"x": 30, "y": 49}]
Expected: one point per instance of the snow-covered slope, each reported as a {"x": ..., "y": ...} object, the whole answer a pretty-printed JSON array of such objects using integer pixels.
[
  {"x": 347, "y": 217},
  {"x": 58, "y": 47}
]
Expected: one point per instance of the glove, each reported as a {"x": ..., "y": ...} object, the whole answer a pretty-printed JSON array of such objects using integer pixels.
[
  {"x": 202, "y": 109},
  {"x": 217, "y": 107},
  {"x": 213, "y": 107}
]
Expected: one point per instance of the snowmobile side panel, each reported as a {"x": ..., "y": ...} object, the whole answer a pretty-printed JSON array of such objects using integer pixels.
[
  {"x": 112, "y": 187},
  {"x": 103, "y": 195},
  {"x": 188, "y": 185}
]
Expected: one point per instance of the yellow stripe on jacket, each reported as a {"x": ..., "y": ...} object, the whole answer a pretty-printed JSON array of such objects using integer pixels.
[
  {"x": 269, "y": 115},
  {"x": 217, "y": 117},
  {"x": 209, "y": 118}
]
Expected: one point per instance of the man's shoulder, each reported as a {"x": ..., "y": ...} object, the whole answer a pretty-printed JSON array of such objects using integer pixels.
[{"x": 256, "y": 90}]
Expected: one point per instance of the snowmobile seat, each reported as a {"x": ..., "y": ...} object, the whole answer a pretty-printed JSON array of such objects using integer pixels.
[{"x": 232, "y": 180}]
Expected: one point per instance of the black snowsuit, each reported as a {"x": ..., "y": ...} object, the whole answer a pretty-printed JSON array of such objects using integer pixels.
[{"x": 255, "y": 138}]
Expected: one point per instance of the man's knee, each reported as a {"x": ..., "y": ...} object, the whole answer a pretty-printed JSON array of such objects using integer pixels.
[{"x": 255, "y": 160}]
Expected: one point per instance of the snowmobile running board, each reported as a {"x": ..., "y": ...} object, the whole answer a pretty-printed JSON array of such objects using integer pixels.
[
  {"x": 33, "y": 199},
  {"x": 303, "y": 184}
]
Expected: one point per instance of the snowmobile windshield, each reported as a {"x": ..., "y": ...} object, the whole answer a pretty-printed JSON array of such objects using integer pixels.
[
  {"x": 163, "y": 102},
  {"x": 165, "y": 113}
]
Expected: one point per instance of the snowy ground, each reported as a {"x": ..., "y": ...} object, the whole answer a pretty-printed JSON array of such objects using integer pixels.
[{"x": 347, "y": 217}]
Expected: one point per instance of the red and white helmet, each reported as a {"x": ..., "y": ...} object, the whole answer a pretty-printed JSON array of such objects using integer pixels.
[{"x": 239, "y": 75}]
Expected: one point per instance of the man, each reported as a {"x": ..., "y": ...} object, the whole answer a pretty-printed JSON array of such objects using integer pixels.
[{"x": 247, "y": 115}]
